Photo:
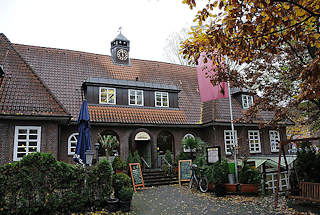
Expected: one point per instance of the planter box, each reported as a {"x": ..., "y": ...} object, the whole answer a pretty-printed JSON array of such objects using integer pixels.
[
  {"x": 211, "y": 186},
  {"x": 249, "y": 188},
  {"x": 230, "y": 188}
]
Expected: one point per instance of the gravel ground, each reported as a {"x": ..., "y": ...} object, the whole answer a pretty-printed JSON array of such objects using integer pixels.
[{"x": 176, "y": 200}]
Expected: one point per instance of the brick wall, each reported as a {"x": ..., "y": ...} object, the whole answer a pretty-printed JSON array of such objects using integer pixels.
[{"x": 49, "y": 137}]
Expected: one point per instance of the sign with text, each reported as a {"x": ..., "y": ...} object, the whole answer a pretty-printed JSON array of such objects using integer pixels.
[
  {"x": 136, "y": 175},
  {"x": 213, "y": 154},
  {"x": 184, "y": 170}
]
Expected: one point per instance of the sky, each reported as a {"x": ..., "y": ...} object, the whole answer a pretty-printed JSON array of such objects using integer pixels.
[{"x": 90, "y": 25}]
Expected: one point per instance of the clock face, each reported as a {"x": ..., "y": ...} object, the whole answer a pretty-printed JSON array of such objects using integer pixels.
[{"x": 122, "y": 54}]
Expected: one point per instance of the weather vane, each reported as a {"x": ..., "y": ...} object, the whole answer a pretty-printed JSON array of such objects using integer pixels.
[{"x": 120, "y": 28}]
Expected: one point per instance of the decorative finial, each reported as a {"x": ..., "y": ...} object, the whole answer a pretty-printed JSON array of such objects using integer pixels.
[{"x": 120, "y": 28}]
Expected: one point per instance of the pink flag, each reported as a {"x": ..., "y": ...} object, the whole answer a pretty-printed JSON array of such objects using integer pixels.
[{"x": 208, "y": 91}]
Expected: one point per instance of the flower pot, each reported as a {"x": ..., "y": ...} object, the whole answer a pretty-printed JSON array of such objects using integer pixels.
[
  {"x": 119, "y": 171},
  {"x": 249, "y": 188},
  {"x": 112, "y": 205},
  {"x": 231, "y": 188},
  {"x": 125, "y": 206},
  {"x": 211, "y": 186}
]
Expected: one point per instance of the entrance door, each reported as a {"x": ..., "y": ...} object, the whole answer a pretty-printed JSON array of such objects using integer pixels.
[
  {"x": 143, "y": 146},
  {"x": 144, "y": 150}
]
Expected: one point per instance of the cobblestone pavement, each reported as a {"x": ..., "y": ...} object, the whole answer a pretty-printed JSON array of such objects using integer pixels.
[{"x": 176, "y": 200}]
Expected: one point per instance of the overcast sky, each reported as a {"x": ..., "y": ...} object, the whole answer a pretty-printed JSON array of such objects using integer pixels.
[{"x": 90, "y": 25}]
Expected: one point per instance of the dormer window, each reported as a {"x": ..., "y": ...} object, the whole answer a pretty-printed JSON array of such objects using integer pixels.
[
  {"x": 161, "y": 99},
  {"x": 107, "y": 95},
  {"x": 247, "y": 101},
  {"x": 136, "y": 97}
]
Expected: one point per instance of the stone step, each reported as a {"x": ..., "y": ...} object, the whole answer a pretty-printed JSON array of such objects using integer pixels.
[{"x": 160, "y": 183}]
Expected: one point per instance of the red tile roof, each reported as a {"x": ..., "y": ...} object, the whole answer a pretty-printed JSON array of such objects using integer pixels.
[
  {"x": 136, "y": 115},
  {"x": 22, "y": 92},
  {"x": 64, "y": 71}
]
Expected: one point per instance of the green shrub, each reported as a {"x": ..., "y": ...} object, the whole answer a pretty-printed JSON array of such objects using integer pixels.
[
  {"x": 126, "y": 193},
  {"x": 119, "y": 181},
  {"x": 168, "y": 156},
  {"x": 119, "y": 164},
  {"x": 130, "y": 158},
  {"x": 249, "y": 175},
  {"x": 38, "y": 184},
  {"x": 217, "y": 173},
  {"x": 307, "y": 157},
  {"x": 136, "y": 157}
]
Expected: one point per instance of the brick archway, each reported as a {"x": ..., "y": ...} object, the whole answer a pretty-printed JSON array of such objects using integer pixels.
[{"x": 134, "y": 145}]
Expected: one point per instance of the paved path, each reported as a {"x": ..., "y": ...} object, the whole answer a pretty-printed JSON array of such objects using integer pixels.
[{"x": 175, "y": 200}]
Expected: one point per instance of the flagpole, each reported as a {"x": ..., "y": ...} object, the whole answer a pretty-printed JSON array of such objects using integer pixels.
[{"x": 233, "y": 136}]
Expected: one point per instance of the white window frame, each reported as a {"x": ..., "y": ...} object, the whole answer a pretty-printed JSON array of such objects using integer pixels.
[
  {"x": 185, "y": 137},
  {"x": 274, "y": 137},
  {"x": 161, "y": 96},
  {"x": 253, "y": 148},
  {"x": 247, "y": 101},
  {"x": 135, "y": 97},
  {"x": 27, "y": 140},
  {"x": 71, "y": 141},
  {"x": 108, "y": 88},
  {"x": 228, "y": 140}
]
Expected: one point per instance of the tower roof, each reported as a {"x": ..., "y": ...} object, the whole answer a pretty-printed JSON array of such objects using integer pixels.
[{"x": 121, "y": 37}]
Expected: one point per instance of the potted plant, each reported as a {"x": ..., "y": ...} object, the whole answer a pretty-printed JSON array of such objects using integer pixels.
[
  {"x": 249, "y": 179},
  {"x": 119, "y": 165},
  {"x": 125, "y": 197},
  {"x": 217, "y": 175},
  {"x": 192, "y": 143},
  {"x": 109, "y": 143},
  {"x": 120, "y": 180},
  {"x": 112, "y": 204}
]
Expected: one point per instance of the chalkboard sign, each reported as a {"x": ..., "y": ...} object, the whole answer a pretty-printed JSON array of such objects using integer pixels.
[
  {"x": 136, "y": 175},
  {"x": 184, "y": 170}
]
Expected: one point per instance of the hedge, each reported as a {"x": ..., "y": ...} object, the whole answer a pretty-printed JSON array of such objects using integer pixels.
[{"x": 38, "y": 184}]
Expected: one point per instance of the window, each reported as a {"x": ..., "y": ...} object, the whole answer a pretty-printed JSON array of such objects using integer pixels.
[
  {"x": 185, "y": 149},
  {"x": 254, "y": 141},
  {"x": 26, "y": 140},
  {"x": 72, "y": 143},
  {"x": 136, "y": 97},
  {"x": 247, "y": 101},
  {"x": 228, "y": 140},
  {"x": 162, "y": 99},
  {"x": 107, "y": 95},
  {"x": 274, "y": 141}
]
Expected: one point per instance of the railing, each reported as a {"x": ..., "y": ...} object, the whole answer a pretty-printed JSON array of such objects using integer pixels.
[
  {"x": 144, "y": 163},
  {"x": 308, "y": 192},
  {"x": 165, "y": 160}
]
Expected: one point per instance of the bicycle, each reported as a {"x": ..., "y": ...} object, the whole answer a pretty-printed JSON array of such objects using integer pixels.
[{"x": 202, "y": 183}]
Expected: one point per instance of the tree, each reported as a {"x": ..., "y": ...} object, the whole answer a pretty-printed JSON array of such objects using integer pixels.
[
  {"x": 173, "y": 47},
  {"x": 277, "y": 39},
  {"x": 192, "y": 143}
]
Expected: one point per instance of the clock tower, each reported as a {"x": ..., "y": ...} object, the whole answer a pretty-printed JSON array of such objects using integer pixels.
[{"x": 120, "y": 48}]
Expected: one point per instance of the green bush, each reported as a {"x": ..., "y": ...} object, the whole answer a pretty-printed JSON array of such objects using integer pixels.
[
  {"x": 119, "y": 164},
  {"x": 119, "y": 181},
  {"x": 136, "y": 157},
  {"x": 168, "y": 156},
  {"x": 38, "y": 184},
  {"x": 249, "y": 175},
  {"x": 217, "y": 173},
  {"x": 307, "y": 157},
  {"x": 130, "y": 158},
  {"x": 126, "y": 193}
]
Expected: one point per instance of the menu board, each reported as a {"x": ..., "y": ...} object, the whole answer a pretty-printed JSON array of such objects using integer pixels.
[
  {"x": 184, "y": 170},
  {"x": 213, "y": 154},
  {"x": 136, "y": 175}
]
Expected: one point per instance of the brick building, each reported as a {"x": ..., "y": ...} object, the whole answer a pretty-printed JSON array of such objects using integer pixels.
[{"x": 150, "y": 106}]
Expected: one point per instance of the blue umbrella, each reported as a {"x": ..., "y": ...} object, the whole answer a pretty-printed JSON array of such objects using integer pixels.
[{"x": 84, "y": 142}]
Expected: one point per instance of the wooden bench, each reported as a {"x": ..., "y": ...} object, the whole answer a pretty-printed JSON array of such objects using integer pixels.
[{"x": 308, "y": 192}]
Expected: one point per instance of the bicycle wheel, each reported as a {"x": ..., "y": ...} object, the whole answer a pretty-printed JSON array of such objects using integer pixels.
[
  {"x": 203, "y": 184},
  {"x": 193, "y": 183}
]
